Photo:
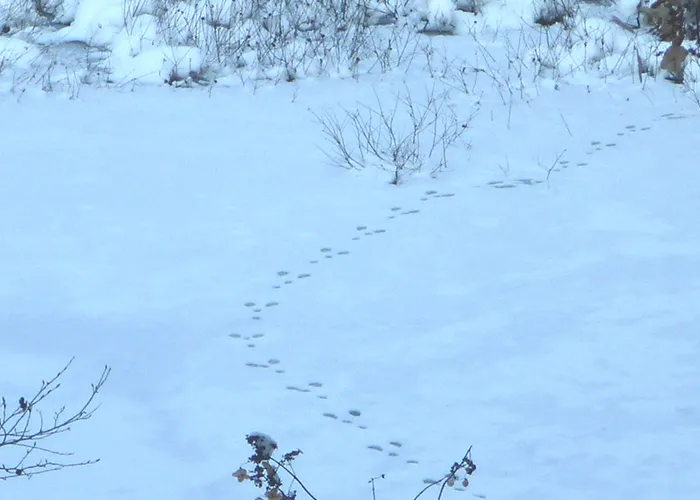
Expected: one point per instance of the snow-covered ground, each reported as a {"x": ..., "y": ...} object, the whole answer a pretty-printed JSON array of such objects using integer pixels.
[{"x": 537, "y": 300}]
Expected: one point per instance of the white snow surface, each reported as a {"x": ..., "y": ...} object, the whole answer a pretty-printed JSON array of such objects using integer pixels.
[{"x": 538, "y": 300}]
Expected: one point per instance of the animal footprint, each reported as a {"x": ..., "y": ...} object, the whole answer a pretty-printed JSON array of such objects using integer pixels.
[
  {"x": 255, "y": 365},
  {"x": 296, "y": 389},
  {"x": 408, "y": 212},
  {"x": 249, "y": 304},
  {"x": 272, "y": 304},
  {"x": 239, "y": 336},
  {"x": 303, "y": 275},
  {"x": 282, "y": 273},
  {"x": 343, "y": 252}
]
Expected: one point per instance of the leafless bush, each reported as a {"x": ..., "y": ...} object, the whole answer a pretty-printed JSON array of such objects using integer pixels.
[
  {"x": 277, "y": 39},
  {"x": 24, "y": 428},
  {"x": 548, "y": 49},
  {"x": 393, "y": 47},
  {"x": 401, "y": 139}
]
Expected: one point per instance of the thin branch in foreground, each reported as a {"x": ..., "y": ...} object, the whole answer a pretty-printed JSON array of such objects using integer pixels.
[
  {"x": 262, "y": 470},
  {"x": 466, "y": 465},
  {"x": 25, "y": 426}
]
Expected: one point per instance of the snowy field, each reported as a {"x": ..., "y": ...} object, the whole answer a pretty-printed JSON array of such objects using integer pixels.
[{"x": 536, "y": 299}]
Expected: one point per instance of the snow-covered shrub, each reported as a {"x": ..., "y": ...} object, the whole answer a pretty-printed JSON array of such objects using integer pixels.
[
  {"x": 282, "y": 39},
  {"x": 551, "y": 12},
  {"x": 436, "y": 16},
  {"x": 279, "y": 40},
  {"x": 21, "y": 14},
  {"x": 473, "y": 6}
]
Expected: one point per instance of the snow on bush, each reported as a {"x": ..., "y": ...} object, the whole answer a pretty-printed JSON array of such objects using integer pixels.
[
  {"x": 20, "y": 14},
  {"x": 233, "y": 41},
  {"x": 437, "y": 16}
]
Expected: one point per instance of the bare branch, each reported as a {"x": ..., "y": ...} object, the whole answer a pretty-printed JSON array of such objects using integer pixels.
[{"x": 24, "y": 427}]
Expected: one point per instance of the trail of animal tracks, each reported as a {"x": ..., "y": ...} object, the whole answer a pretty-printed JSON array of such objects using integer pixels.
[{"x": 538, "y": 301}]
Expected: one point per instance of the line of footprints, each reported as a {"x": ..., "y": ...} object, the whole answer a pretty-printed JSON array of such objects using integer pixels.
[
  {"x": 353, "y": 415},
  {"x": 596, "y": 145}
]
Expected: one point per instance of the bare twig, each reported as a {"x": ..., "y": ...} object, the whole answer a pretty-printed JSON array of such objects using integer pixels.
[
  {"x": 293, "y": 475},
  {"x": 466, "y": 465},
  {"x": 556, "y": 162},
  {"x": 371, "y": 481},
  {"x": 25, "y": 426}
]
